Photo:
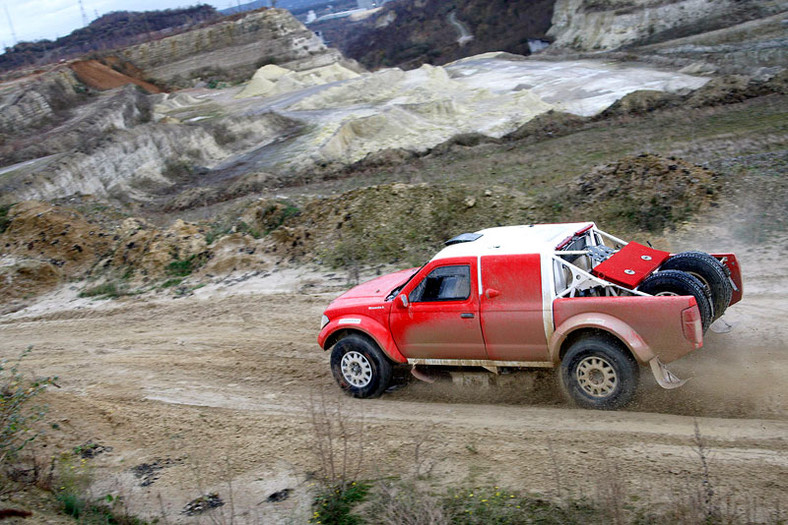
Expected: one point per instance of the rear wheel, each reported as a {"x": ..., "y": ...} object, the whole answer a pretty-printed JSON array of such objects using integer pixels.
[
  {"x": 674, "y": 282},
  {"x": 710, "y": 272},
  {"x": 597, "y": 372},
  {"x": 360, "y": 368}
]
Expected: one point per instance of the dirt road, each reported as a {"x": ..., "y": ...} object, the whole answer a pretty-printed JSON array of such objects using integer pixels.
[{"x": 216, "y": 392}]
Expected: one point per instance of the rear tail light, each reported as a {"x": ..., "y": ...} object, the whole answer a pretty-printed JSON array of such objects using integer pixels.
[{"x": 692, "y": 326}]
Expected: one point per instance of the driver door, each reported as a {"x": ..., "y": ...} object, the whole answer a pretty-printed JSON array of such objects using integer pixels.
[{"x": 441, "y": 320}]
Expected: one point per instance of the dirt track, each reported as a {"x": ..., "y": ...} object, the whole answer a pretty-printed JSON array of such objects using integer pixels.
[{"x": 221, "y": 387}]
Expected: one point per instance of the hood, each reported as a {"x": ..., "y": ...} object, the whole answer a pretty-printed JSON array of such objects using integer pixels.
[{"x": 380, "y": 286}]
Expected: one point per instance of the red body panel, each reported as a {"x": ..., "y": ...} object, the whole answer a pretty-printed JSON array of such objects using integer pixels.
[
  {"x": 440, "y": 330},
  {"x": 378, "y": 287},
  {"x": 512, "y": 311},
  {"x": 630, "y": 265},
  {"x": 650, "y": 326},
  {"x": 374, "y": 327},
  {"x": 364, "y": 309}
]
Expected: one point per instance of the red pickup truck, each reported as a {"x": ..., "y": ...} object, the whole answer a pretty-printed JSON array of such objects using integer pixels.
[{"x": 564, "y": 296}]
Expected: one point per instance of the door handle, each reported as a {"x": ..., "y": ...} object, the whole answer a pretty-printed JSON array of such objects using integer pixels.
[{"x": 467, "y": 316}]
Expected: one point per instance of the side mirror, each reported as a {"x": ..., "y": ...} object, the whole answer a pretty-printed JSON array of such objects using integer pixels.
[
  {"x": 403, "y": 300},
  {"x": 491, "y": 293}
]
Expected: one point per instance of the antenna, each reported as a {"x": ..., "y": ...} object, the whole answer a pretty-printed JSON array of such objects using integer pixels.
[
  {"x": 84, "y": 15},
  {"x": 10, "y": 24}
]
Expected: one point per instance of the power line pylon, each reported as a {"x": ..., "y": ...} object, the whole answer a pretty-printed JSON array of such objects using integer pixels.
[{"x": 84, "y": 15}]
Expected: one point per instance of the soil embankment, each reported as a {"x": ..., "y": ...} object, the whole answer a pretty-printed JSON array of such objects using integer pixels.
[{"x": 96, "y": 75}]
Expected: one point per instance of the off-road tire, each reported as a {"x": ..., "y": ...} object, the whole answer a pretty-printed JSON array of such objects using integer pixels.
[
  {"x": 710, "y": 272},
  {"x": 675, "y": 282},
  {"x": 599, "y": 372},
  {"x": 360, "y": 368}
]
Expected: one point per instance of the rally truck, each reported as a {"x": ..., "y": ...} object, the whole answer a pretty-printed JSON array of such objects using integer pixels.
[{"x": 568, "y": 297}]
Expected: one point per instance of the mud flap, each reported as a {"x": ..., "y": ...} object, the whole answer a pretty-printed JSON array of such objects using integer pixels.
[
  {"x": 721, "y": 326},
  {"x": 663, "y": 376}
]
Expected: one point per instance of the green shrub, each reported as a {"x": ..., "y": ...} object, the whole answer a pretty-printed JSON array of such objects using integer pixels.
[
  {"x": 498, "y": 506},
  {"x": 108, "y": 290},
  {"x": 243, "y": 227},
  {"x": 72, "y": 492},
  {"x": 169, "y": 283},
  {"x": 178, "y": 170},
  {"x": 16, "y": 414},
  {"x": 4, "y": 220},
  {"x": 334, "y": 504},
  {"x": 184, "y": 267}
]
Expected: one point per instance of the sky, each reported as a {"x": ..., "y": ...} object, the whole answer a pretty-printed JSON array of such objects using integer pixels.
[{"x": 49, "y": 19}]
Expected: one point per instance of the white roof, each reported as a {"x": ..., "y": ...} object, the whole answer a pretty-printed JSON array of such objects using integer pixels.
[{"x": 531, "y": 238}]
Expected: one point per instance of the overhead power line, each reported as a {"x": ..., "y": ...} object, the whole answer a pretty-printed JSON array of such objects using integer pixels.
[{"x": 10, "y": 24}]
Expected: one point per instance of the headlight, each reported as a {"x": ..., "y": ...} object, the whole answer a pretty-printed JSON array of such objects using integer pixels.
[{"x": 324, "y": 321}]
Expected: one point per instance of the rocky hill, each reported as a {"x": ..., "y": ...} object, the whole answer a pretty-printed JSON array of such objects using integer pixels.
[
  {"x": 711, "y": 35},
  {"x": 236, "y": 47},
  {"x": 593, "y": 25},
  {"x": 411, "y": 33},
  {"x": 31, "y": 102},
  {"x": 113, "y": 30}
]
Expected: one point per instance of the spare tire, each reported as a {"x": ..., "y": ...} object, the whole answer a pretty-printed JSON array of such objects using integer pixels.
[
  {"x": 710, "y": 272},
  {"x": 674, "y": 282}
]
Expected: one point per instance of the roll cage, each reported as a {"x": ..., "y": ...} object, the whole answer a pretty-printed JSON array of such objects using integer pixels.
[{"x": 575, "y": 258}]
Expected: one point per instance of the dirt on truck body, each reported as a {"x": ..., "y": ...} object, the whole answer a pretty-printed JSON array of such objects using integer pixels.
[{"x": 566, "y": 296}]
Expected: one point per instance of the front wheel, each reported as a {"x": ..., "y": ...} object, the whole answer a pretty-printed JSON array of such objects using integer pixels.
[
  {"x": 598, "y": 373},
  {"x": 360, "y": 367}
]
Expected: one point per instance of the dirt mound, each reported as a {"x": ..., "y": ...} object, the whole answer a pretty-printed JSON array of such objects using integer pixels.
[
  {"x": 60, "y": 236},
  {"x": 646, "y": 192},
  {"x": 547, "y": 125},
  {"x": 99, "y": 76},
  {"x": 146, "y": 252},
  {"x": 731, "y": 89},
  {"x": 399, "y": 223},
  {"x": 275, "y": 80},
  {"x": 236, "y": 252},
  {"x": 42, "y": 245},
  {"x": 22, "y": 280},
  {"x": 640, "y": 102}
]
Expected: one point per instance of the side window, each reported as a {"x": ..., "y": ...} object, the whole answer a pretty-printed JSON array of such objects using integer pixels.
[{"x": 447, "y": 283}]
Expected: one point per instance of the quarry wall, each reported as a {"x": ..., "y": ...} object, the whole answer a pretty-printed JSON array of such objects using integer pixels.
[
  {"x": 267, "y": 36},
  {"x": 591, "y": 25}
]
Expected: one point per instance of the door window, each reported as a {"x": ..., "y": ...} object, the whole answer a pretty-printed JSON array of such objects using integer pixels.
[{"x": 446, "y": 283}]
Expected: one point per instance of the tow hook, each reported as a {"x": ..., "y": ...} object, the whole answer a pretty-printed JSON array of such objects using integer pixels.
[{"x": 663, "y": 376}]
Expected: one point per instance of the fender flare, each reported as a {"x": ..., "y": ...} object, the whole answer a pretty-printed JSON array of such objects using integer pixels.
[
  {"x": 602, "y": 322},
  {"x": 364, "y": 325}
]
